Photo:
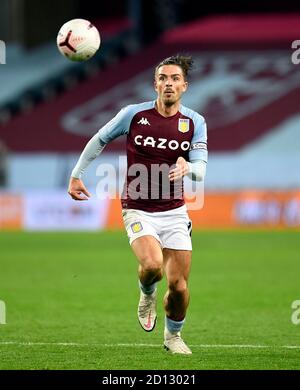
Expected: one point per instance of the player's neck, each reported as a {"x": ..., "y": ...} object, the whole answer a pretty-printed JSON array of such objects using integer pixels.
[{"x": 167, "y": 110}]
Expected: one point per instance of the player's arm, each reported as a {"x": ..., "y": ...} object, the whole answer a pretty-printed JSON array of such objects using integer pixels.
[
  {"x": 77, "y": 189},
  {"x": 113, "y": 129},
  {"x": 195, "y": 168},
  {"x": 198, "y": 152}
]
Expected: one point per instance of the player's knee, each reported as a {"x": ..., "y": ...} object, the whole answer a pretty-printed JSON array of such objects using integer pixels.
[
  {"x": 151, "y": 265},
  {"x": 178, "y": 286}
]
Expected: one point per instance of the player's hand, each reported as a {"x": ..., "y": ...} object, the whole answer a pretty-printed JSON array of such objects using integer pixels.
[
  {"x": 180, "y": 170},
  {"x": 77, "y": 189}
]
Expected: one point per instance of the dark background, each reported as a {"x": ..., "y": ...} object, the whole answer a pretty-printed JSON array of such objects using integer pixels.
[{"x": 21, "y": 19}]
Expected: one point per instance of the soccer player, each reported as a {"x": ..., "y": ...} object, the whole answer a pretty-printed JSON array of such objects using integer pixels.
[{"x": 160, "y": 133}]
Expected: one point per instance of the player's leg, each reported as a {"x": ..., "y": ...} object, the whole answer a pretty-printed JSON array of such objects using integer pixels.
[
  {"x": 149, "y": 254},
  {"x": 145, "y": 243},
  {"x": 177, "y": 252},
  {"x": 177, "y": 264}
]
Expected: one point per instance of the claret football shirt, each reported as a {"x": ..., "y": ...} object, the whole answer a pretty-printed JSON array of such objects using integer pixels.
[{"x": 154, "y": 143}]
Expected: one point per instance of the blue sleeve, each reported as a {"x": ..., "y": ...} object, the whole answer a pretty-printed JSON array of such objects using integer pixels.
[
  {"x": 198, "y": 150},
  {"x": 119, "y": 125}
]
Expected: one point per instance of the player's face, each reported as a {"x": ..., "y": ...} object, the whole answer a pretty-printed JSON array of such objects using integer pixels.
[{"x": 169, "y": 84}]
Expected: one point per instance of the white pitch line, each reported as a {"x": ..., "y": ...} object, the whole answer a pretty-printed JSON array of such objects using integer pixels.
[{"x": 141, "y": 345}]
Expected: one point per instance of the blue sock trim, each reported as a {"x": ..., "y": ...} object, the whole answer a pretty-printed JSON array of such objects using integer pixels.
[
  {"x": 174, "y": 326},
  {"x": 148, "y": 290}
]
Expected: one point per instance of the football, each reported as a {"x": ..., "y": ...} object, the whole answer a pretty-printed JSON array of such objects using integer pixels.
[{"x": 78, "y": 40}]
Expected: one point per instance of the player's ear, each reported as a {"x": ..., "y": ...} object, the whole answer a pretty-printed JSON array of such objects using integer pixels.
[
  {"x": 186, "y": 85},
  {"x": 155, "y": 85}
]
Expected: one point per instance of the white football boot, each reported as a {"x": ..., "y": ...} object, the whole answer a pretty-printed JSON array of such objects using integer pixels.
[
  {"x": 147, "y": 311},
  {"x": 174, "y": 343}
]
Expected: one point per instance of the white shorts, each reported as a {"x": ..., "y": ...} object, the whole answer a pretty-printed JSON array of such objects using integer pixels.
[{"x": 171, "y": 228}]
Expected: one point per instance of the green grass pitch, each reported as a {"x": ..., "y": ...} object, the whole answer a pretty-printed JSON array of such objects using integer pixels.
[{"x": 71, "y": 301}]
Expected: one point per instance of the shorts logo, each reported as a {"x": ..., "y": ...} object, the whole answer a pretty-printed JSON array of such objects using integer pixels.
[
  {"x": 183, "y": 125},
  {"x": 136, "y": 227}
]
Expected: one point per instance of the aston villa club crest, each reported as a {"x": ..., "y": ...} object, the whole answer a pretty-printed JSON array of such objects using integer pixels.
[
  {"x": 136, "y": 227},
  {"x": 184, "y": 125}
]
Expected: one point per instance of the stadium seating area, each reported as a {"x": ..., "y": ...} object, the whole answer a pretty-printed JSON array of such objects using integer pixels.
[
  {"x": 39, "y": 74},
  {"x": 244, "y": 83}
]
